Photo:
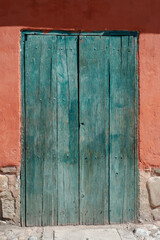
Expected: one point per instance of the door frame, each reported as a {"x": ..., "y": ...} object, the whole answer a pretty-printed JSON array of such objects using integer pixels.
[{"x": 24, "y": 34}]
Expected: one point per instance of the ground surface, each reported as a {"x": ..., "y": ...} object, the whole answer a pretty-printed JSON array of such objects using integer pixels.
[{"x": 108, "y": 232}]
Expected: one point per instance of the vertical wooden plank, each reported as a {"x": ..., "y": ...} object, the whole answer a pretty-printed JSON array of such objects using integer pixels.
[
  {"x": 107, "y": 130},
  {"x": 34, "y": 179},
  {"x": 122, "y": 129},
  {"x": 67, "y": 80},
  {"x": 129, "y": 202},
  {"x": 41, "y": 131},
  {"x": 48, "y": 131},
  {"x": 94, "y": 125},
  {"x": 46, "y": 69},
  {"x": 54, "y": 129}
]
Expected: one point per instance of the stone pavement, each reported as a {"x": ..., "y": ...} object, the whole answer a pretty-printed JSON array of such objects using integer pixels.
[{"x": 107, "y": 232}]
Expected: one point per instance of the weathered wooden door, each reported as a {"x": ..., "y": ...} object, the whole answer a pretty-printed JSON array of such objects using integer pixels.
[{"x": 79, "y": 129}]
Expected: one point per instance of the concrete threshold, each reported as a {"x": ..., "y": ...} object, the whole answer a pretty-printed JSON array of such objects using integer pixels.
[{"x": 87, "y": 233}]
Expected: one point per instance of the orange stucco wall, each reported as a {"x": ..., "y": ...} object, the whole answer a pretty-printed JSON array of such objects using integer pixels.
[
  {"x": 149, "y": 82},
  {"x": 80, "y": 15},
  {"x": 9, "y": 96}
]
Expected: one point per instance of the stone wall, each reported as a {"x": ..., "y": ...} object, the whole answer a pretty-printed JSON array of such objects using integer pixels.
[
  {"x": 149, "y": 197},
  {"x": 10, "y": 195}
]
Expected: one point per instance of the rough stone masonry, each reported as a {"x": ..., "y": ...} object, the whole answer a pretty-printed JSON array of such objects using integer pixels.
[
  {"x": 149, "y": 197},
  {"x": 10, "y": 194}
]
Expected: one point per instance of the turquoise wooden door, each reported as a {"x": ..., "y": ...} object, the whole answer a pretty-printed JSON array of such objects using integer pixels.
[{"x": 80, "y": 130}]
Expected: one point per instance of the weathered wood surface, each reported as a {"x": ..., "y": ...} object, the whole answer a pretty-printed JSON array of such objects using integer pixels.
[
  {"x": 51, "y": 89},
  {"x": 67, "y": 88},
  {"x": 34, "y": 177},
  {"x": 80, "y": 105},
  {"x": 94, "y": 128},
  {"x": 122, "y": 129}
]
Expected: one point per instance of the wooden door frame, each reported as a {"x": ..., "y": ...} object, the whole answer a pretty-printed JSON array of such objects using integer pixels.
[{"x": 23, "y": 110}]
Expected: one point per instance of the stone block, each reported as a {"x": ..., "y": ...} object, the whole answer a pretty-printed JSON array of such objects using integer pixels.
[
  {"x": 48, "y": 233},
  {"x": 6, "y": 195},
  {"x": 2, "y": 223},
  {"x": 14, "y": 191},
  {"x": 153, "y": 185},
  {"x": 8, "y": 210},
  {"x": 144, "y": 210},
  {"x": 3, "y": 238},
  {"x": 141, "y": 232},
  {"x": 156, "y": 171},
  {"x": 156, "y": 214},
  {"x": 32, "y": 238},
  {"x": 12, "y": 179},
  {"x": 3, "y": 183},
  {"x": 22, "y": 238},
  {"x": 8, "y": 169},
  {"x": 18, "y": 170},
  {"x": 17, "y": 210},
  {"x": 13, "y": 182}
]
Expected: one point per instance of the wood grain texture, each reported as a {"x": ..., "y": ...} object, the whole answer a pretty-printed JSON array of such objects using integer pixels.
[
  {"x": 94, "y": 126},
  {"x": 51, "y": 131},
  {"x": 122, "y": 129},
  {"x": 67, "y": 84},
  {"x": 48, "y": 135},
  {"x": 80, "y": 129},
  {"x": 34, "y": 170}
]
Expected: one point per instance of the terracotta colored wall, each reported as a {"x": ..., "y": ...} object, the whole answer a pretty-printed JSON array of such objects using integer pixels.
[
  {"x": 9, "y": 96},
  {"x": 149, "y": 52},
  {"x": 79, "y": 15}
]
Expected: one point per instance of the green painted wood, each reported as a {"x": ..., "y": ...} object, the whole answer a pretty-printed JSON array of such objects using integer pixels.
[
  {"x": 67, "y": 84},
  {"x": 51, "y": 130},
  {"x": 94, "y": 127},
  {"x": 87, "y": 175},
  {"x": 122, "y": 129},
  {"x": 54, "y": 128},
  {"x": 34, "y": 170},
  {"x": 48, "y": 135},
  {"x": 41, "y": 169},
  {"x": 73, "y": 33}
]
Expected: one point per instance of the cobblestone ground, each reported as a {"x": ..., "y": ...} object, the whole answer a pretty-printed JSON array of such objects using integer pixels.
[{"x": 108, "y": 232}]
